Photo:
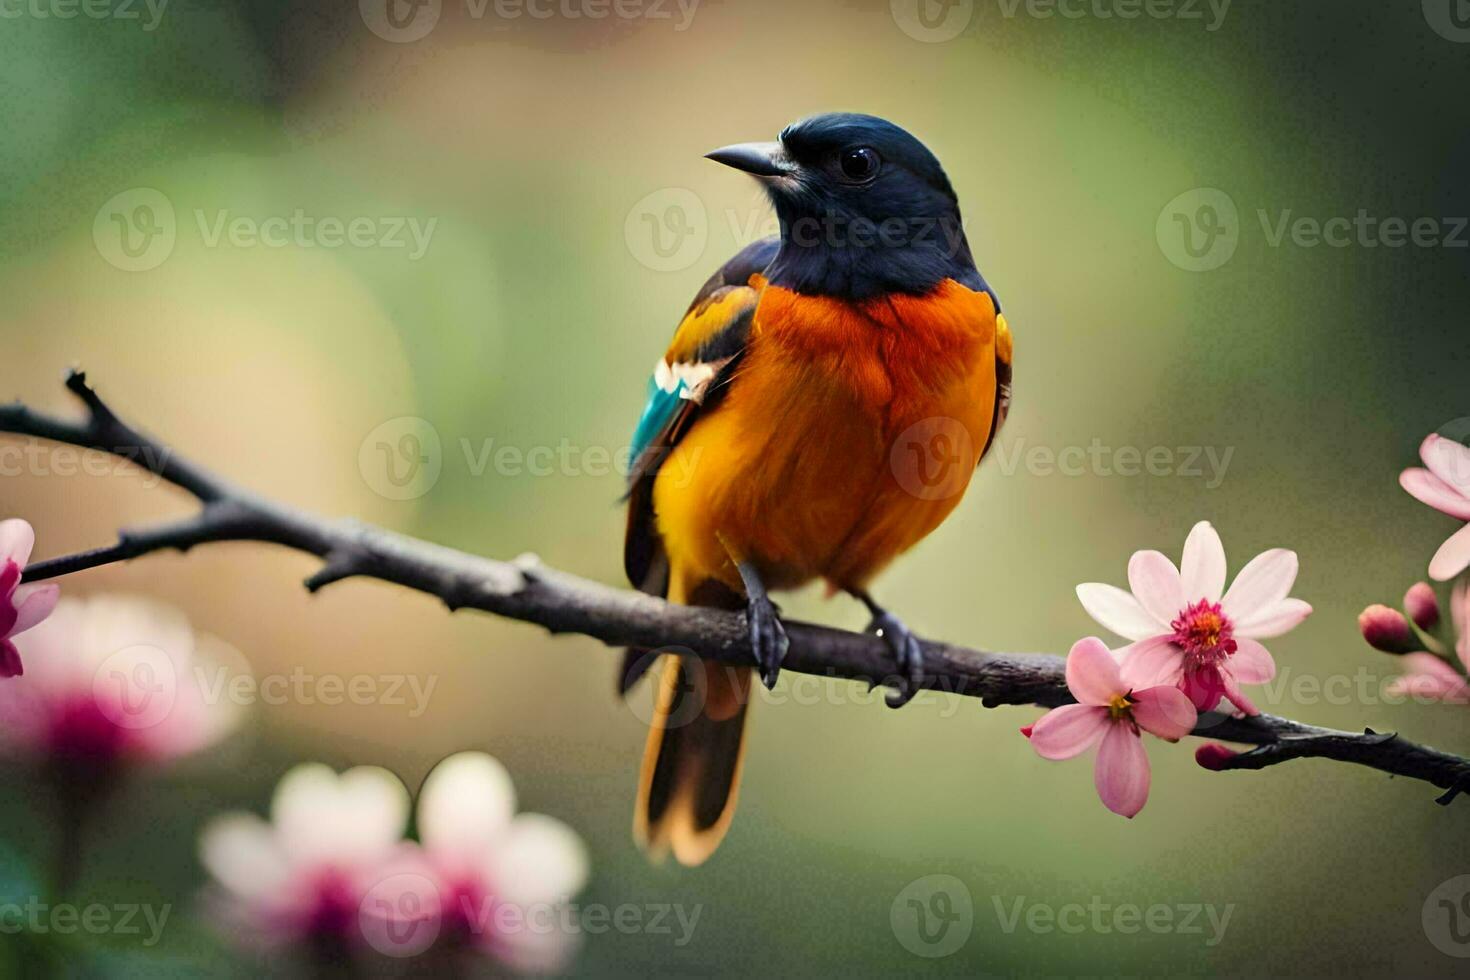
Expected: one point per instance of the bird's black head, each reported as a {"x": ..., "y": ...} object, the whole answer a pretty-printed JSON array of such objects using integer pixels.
[{"x": 865, "y": 208}]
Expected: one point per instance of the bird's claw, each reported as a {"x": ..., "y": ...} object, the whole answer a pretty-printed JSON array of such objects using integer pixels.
[
  {"x": 909, "y": 653},
  {"x": 767, "y": 638}
]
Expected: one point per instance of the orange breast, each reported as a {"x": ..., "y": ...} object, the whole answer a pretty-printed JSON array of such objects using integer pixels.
[{"x": 848, "y": 434}]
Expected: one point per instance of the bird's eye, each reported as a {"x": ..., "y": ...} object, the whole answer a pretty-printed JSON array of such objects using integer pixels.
[{"x": 859, "y": 164}]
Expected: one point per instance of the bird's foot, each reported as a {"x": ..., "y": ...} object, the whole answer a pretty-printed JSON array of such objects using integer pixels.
[
  {"x": 907, "y": 651},
  {"x": 767, "y": 637}
]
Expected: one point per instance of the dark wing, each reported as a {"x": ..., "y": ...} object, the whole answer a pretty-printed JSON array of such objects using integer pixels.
[{"x": 687, "y": 380}]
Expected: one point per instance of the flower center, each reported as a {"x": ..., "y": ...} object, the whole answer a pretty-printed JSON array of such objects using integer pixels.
[
  {"x": 1204, "y": 633},
  {"x": 1120, "y": 708}
]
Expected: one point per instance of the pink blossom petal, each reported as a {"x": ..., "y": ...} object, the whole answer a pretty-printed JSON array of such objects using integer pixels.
[
  {"x": 352, "y": 820},
  {"x": 10, "y": 665},
  {"x": 1261, "y": 584},
  {"x": 1068, "y": 731},
  {"x": 1448, "y": 460},
  {"x": 1275, "y": 620},
  {"x": 1236, "y": 696},
  {"x": 1203, "y": 687},
  {"x": 1118, "y": 611},
  {"x": 17, "y": 538},
  {"x": 1252, "y": 663},
  {"x": 539, "y": 862},
  {"x": 10, "y": 574},
  {"x": 535, "y": 952},
  {"x": 1428, "y": 665},
  {"x": 465, "y": 806},
  {"x": 406, "y": 900},
  {"x": 1202, "y": 571},
  {"x": 1429, "y": 677},
  {"x": 1155, "y": 581},
  {"x": 1121, "y": 774},
  {"x": 241, "y": 852},
  {"x": 1092, "y": 673},
  {"x": 33, "y": 603},
  {"x": 1453, "y": 556},
  {"x": 1165, "y": 712},
  {"x": 1151, "y": 662},
  {"x": 1429, "y": 489}
]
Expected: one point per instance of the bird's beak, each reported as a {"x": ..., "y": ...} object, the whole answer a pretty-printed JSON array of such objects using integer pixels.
[{"x": 758, "y": 159}]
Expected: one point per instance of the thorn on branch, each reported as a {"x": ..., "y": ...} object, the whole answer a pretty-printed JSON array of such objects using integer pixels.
[
  {"x": 76, "y": 383},
  {"x": 529, "y": 563},
  {"x": 338, "y": 565},
  {"x": 1460, "y": 785}
]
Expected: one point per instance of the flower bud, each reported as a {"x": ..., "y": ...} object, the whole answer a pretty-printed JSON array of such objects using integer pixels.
[
  {"x": 1422, "y": 606},
  {"x": 1214, "y": 756},
  {"x": 1386, "y": 629},
  {"x": 1027, "y": 730}
]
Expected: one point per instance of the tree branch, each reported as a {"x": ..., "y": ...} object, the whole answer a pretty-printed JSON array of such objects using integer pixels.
[{"x": 526, "y": 590}]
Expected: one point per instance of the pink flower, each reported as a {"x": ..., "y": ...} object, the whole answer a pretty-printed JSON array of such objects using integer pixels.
[
  {"x": 1107, "y": 711},
  {"x": 1432, "y": 678},
  {"x": 305, "y": 873},
  {"x": 1185, "y": 633},
  {"x": 118, "y": 679},
  {"x": 21, "y": 606},
  {"x": 1445, "y": 486},
  {"x": 502, "y": 876}
]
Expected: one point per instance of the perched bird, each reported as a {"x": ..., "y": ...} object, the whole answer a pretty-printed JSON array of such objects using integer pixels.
[{"x": 822, "y": 406}]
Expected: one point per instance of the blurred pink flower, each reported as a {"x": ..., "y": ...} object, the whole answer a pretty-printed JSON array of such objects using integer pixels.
[
  {"x": 304, "y": 874},
  {"x": 117, "y": 679},
  {"x": 1432, "y": 678},
  {"x": 21, "y": 606},
  {"x": 331, "y": 868},
  {"x": 1107, "y": 711},
  {"x": 502, "y": 875},
  {"x": 1185, "y": 634},
  {"x": 1445, "y": 486}
]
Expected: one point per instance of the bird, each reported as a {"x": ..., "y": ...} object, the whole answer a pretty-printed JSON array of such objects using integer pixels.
[{"x": 823, "y": 404}]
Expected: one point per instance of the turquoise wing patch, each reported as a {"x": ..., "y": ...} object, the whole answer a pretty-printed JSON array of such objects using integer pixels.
[{"x": 658, "y": 412}]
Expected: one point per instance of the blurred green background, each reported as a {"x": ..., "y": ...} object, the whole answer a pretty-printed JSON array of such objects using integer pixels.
[{"x": 541, "y": 148}]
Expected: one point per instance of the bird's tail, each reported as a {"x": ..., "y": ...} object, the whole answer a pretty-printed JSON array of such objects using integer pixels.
[{"x": 691, "y": 765}]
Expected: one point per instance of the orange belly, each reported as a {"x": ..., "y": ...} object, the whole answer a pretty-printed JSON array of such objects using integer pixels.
[{"x": 848, "y": 434}]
